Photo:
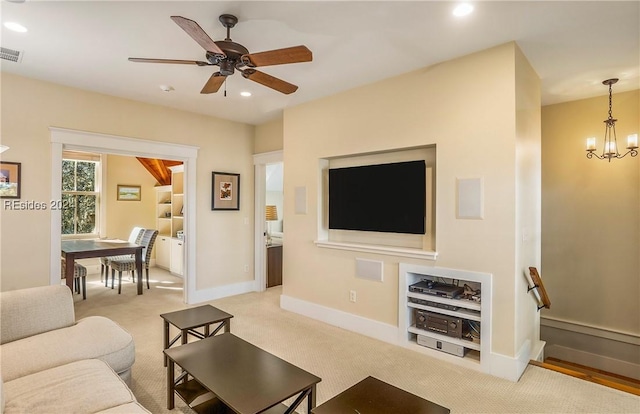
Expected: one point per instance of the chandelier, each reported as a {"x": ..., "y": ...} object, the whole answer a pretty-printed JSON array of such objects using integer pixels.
[{"x": 610, "y": 149}]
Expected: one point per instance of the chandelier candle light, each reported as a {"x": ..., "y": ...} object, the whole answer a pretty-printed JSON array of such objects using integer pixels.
[{"x": 610, "y": 149}]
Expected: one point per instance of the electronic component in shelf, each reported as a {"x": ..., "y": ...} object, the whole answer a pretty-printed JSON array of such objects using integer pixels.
[
  {"x": 467, "y": 343},
  {"x": 448, "y": 325},
  {"x": 461, "y": 312},
  {"x": 433, "y": 304},
  {"x": 444, "y": 346},
  {"x": 431, "y": 287},
  {"x": 459, "y": 303}
]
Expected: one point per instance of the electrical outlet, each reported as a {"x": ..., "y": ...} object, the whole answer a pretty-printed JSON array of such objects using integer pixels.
[
  {"x": 352, "y": 296},
  {"x": 246, "y": 268}
]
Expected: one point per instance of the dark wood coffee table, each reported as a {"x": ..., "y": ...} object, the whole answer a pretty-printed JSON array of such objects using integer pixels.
[
  {"x": 242, "y": 378},
  {"x": 188, "y": 320},
  {"x": 372, "y": 396}
]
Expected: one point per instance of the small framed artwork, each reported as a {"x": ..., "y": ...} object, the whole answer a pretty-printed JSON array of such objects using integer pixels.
[
  {"x": 10, "y": 179},
  {"x": 129, "y": 192},
  {"x": 225, "y": 191}
]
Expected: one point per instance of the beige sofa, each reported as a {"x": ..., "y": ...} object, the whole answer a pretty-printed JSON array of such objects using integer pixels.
[{"x": 50, "y": 360}]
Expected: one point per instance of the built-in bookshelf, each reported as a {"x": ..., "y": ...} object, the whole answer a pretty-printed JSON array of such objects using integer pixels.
[{"x": 170, "y": 222}]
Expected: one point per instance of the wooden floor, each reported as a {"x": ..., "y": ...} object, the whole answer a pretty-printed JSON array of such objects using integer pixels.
[{"x": 607, "y": 379}]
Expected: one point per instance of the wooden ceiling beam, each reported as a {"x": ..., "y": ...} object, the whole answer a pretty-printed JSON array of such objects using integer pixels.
[{"x": 159, "y": 169}]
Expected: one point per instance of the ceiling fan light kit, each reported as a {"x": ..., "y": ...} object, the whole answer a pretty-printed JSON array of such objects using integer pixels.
[{"x": 230, "y": 56}]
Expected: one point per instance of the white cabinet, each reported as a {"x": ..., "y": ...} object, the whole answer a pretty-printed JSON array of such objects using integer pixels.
[
  {"x": 177, "y": 256},
  {"x": 169, "y": 221},
  {"x": 163, "y": 251},
  {"x": 476, "y": 314}
]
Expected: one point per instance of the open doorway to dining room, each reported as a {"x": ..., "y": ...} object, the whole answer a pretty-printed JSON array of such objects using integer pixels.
[{"x": 122, "y": 147}]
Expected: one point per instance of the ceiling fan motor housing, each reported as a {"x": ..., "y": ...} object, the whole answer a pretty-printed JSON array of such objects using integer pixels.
[{"x": 233, "y": 52}]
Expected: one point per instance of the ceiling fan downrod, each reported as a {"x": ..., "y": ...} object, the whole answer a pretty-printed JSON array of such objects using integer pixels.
[{"x": 228, "y": 21}]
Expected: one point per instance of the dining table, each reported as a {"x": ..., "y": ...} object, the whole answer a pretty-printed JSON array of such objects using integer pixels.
[{"x": 82, "y": 249}]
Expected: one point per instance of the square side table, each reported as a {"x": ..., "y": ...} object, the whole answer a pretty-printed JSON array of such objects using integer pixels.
[{"x": 188, "y": 320}]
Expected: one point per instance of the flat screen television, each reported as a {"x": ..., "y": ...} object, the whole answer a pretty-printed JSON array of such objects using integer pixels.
[{"x": 388, "y": 198}]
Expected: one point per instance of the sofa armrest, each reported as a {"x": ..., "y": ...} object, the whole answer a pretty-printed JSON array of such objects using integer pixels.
[{"x": 27, "y": 312}]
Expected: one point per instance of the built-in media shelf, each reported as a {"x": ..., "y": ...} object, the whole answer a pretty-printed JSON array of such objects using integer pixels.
[{"x": 475, "y": 311}]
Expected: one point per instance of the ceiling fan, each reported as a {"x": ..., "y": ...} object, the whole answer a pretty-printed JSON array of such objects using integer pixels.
[{"x": 230, "y": 56}]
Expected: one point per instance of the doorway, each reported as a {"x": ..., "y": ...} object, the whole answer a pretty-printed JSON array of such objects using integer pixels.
[
  {"x": 108, "y": 144},
  {"x": 261, "y": 161}
]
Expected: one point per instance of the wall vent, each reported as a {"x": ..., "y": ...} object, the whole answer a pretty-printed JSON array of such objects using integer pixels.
[{"x": 11, "y": 55}]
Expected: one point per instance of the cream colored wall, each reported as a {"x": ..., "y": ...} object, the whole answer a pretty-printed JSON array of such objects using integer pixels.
[
  {"x": 30, "y": 107},
  {"x": 591, "y": 216},
  {"x": 269, "y": 136},
  {"x": 528, "y": 199},
  {"x": 467, "y": 108},
  {"x": 122, "y": 216}
]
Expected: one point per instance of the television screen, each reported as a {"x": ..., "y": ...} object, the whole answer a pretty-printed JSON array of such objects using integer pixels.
[{"x": 387, "y": 198}]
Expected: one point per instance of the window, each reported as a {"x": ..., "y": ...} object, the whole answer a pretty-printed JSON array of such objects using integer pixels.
[{"x": 80, "y": 194}]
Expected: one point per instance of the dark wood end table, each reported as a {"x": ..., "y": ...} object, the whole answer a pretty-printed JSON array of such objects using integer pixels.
[
  {"x": 241, "y": 377},
  {"x": 188, "y": 320},
  {"x": 372, "y": 396}
]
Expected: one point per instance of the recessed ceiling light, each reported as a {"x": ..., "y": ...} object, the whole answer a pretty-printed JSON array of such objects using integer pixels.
[
  {"x": 463, "y": 9},
  {"x": 245, "y": 93},
  {"x": 167, "y": 88},
  {"x": 16, "y": 27}
]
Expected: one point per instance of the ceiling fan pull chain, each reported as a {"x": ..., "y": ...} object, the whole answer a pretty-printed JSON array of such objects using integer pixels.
[{"x": 225, "y": 87}]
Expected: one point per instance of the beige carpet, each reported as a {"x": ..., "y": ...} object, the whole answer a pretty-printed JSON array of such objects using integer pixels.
[{"x": 341, "y": 358}]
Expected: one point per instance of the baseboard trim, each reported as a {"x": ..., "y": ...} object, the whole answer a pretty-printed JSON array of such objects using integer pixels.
[
  {"x": 364, "y": 326},
  {"x": 218, "y": 292},
  {"x": 511, "y": 368}
]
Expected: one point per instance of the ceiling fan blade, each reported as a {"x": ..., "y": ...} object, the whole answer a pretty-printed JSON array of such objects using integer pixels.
[
  {"x": 176, "y": 61},
  {"x": 194, "y": 30},
  {"x": 214, "y": 83},
  {"x": 269, "y": 81},
  {"x": 293, "y": 54}
]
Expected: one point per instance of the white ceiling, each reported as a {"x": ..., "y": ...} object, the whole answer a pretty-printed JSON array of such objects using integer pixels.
[{"x": 572, "y": 45}]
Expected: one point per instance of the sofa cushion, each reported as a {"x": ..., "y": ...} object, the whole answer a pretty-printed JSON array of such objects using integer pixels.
[
  {"x": 92, "y": 337},
  {"x": 85, "y": 386},
  {"x": 28, "y": 312}
]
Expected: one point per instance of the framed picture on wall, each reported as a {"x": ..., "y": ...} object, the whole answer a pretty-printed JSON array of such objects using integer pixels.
[
  {"x": 10, "y": 179},
  {"x": 225, "y": 191},
  {"x": 129, "y": 192}
]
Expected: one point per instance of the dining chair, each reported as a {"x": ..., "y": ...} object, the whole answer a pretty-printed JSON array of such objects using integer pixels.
[
  {"x": 79, "y": 275},
  {"x": 129, "y": 263},
  {"x": 134, "y": 237}
]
